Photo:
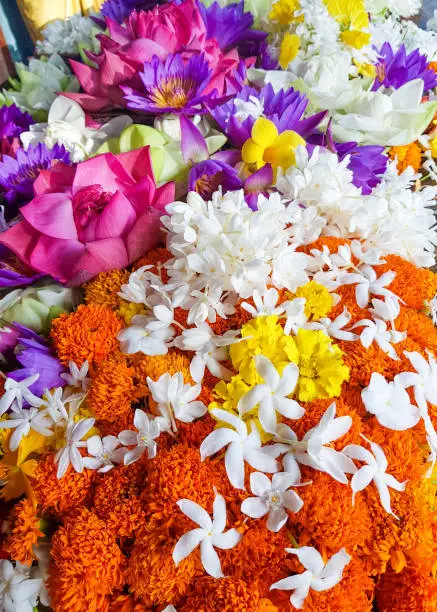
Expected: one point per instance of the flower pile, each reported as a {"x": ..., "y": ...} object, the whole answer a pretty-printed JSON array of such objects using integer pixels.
[{"x": 219, "y": 311}]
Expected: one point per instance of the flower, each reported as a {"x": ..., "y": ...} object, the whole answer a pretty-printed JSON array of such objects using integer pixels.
[
  {"x": 69, "y": 36},
  {"x": 173, "y": 86},
  {"x": 145, "y": 335},
  {"x": 272, "y": 395},
  {"x": 66, "y": 126},
  {"x": 77, "y": 377},
  {"x": 70, "y": 454},
  {"x": 23, "y": 420},
  {"x": 318, "y": 575},
  {"x": 13, "y": 273},
  {"x": 104, "y": 453},
  {"x": 17, "y": 392},
  {"x": 118, "y": 10},
  {"x": 24, "y": 533},
  {"x": 86, "y": 229},
  {"x": 143, "y": 438},
  {"x": 367, "y": 163},
  {"x": 176, "y": 400},
  {"x": 209, "y": 535},
  {"x": 374, "y": 469},
  {"x": 390, "y": 403},
  {"x": 423, "y": 380},
  {"x": 266, "y": 145},
  {"x": 273, "y": 498},
  {"x": 242, "y": 446},
  {"x": 18, "y": 174},
  {"x": 397, "y": 68},
  {"x": 208, "y": 176},
  {"x": 19, "y": 590},
  {"x": 13, "y": 122}
]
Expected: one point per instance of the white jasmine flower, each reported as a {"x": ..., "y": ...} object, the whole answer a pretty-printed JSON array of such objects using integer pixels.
[
  {"x": 242, "y": 446},
  {"x": 143, "y": 439},
  {"x": 423, "y": 380},
  {"x": 264, "y": 303},
  {"x": 23, "y": 420},
  {"x": 317, "y": 575},
  {"x": 368, "y": 283},
  {"x": 70, "y": 454},
  {"x": 390, "y": 403},
  {"x": 176, "y": 400},
  {"x": 335, "y": 329},
  {"x": 209, "y": 535},
  {"x": 273, "y": 497},
  {"x": 145, "y": 335},
  {"x": 19, "y": 589},
  {"x": 374, "y": 470},
  {"x": 78, "y": 377},
  {"x": 432, "y": 309},
  {"x": 272, "y": 395},
  {"x": 105, "y": 453},
  {"x": 54, "y": 405},
  {"x": 15, "y": 392},
  {"x": 376, "y": 331},
  {"x": 295, "y": 315}
]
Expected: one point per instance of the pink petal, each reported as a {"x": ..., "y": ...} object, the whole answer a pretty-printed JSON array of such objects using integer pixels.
[
  {"x": 56, "y": 257},
  {"x": 137, "y": 162},
  {"x": 193, "y": 144},
  {"x": 52, "y": 215},
  {"x": 116, "y": 219},
  {"x": 58, "y": 178},
  {"x": 104, "y": 170},
  {"x": 20, "y": 238},
  {"x": 89, "y": 103},
  {"x": 117, "y": 32},
  {"x": 145, "y": 235},
  {"x": 143, "y": 49},
  {"x": 87, "y": 76},
  {"x": 99, "y": 256}
]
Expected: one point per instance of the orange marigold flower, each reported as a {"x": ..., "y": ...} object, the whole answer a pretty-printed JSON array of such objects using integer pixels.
[
  {"x": 126, "y": 603},
  {"x": 151, "y": 573},
  {"x": 116, "y": 499},
  {"x": 193, "y": 434},
  {"x": 58, "y": 497},
  {"x": 408, "y": 155},
  {"x": 89, "y": 333},
  {"x": 410, "y": 591},
  {"x": 103, "y": 288},
  {"x": 156, "y": 258},
  {"x": 86, "y": 564},
  {"x": 23, "y": 532},
  {"x": 225, "y": 595},
  {"x": 112, "y": 390},
  {"x": 413, "y": 285},
  {"x": 329, "y": 241}
]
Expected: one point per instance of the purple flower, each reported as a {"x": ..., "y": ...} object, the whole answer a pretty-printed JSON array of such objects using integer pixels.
[
  {"x": 118, "y": 10},
  {"x": 284, "y": 108},
  {"x": 173, "y": 86},
  {"x": 13, "y": 273},
  {"x": 367, "y": 163},
  {"x": 18, "y": 174},
  {"x": 396, "y": 69},
  {"x": 33, "y": 354},
  {"x": 206, "y": 178},
  {"x": 231, "y": 27},
  {"x": 13, "y": 121}
]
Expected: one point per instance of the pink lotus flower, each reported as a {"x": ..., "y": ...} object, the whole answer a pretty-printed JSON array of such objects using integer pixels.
[{"x": 102, "y": 214}]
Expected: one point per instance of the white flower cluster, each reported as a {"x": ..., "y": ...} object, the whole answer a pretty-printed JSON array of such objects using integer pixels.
[
  {"x": 21, "y": 587},
  {"x": 68, "y": 36}
]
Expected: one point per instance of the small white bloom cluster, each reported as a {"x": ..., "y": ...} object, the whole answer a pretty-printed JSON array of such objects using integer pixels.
[{"x": 68, "y": 36}]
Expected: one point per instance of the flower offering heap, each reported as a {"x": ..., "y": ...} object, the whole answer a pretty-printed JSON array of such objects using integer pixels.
[{"x": 219, "y": 312}]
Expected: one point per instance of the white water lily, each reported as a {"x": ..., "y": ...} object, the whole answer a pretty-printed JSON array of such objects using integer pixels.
[
  {"x": 272, "y": 497},
  {"x": 209, "y": 535},
  {"x": 69, "y": 453},
  {"x": 374, "y": 470},
  {"x": 318, "y": 575},
  {"x": 272, "y": 395},
  {"x": 390, "y": 403},
  {"x": 143, "y": 439},
  {"x": 242, "y": 445}
]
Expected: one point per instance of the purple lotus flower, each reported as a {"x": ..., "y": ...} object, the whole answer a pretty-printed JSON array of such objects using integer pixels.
[
  {"x": 396, "y": 69},
  {"x": 206, "y": 178},
  {"x": 118, "y": 10},
  {"x": 13, "y": 121},
  {"x": 34, "y": 355},
  {"x": 18, "y": 174},
  {"x": 173, "y": 86},
  {"x": 284, "y": 108},
  {"x": 231, "y": 27},
  {"x": 367, "y": 163},
  {"x": 13, "y": 273}
]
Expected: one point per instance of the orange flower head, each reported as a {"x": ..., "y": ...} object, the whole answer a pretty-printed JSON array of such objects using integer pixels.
[
  {"x": 126, "y": 603},
  {"x": 225, "y": 595},
  {"x": 23, "y": 533},
  {"x": 103, "y": 288},
  {"x": 413, "y": 285},
  {"x": 408, "y": 591},
  {"x": 86, "y": 564},
  {"x": 58, "y": 497},
  {"x": 156, "y": 258},
  {"x": 408, "y": 155},
  {"x": 89, "y": 333}
]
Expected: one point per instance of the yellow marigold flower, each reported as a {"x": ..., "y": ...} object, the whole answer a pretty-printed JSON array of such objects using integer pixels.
[
  {"x": 267, "y": 146},
  {"x": 127, "y": 310},
  {"x": 433, "y": 144},
  {"x": 318, "y": 299},
  {"x": 353, "y": 19},
  {"x": 283, "y": 12},
  {"x": 263, "y": 336},
  {"x": 321, "y": 367},
  {"x": 289, "y": 48}
]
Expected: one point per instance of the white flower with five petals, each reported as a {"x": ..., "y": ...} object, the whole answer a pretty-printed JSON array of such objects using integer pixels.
[
  {"x": 69, "y": 453},
  {"x": 18, "y": 391},
  {"x": 390, "y": 403},
  {"x": 105, "y": 453},
  {"x": 23, "y": 420},
  {"x": 143, "y": 439},
  {"x": 19, "y": 589}
]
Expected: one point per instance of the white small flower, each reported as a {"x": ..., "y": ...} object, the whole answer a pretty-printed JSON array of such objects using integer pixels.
[
  {"x": 272, "y": 396},
  {"x": 18, "y": 391},
  {"x": 70, "y": 453},
  {"x": 77, "y": 377},
  {"x": 23, "y": 420},
  {"x": 273, "y": 497},
  {"x": 367, "y": 283},
  {"x": 295, "y": 315},
  {"x": 143, "y": 439},
  {"x": 375, "y": 469},
  {"x": 390, "y": 403},
  {"x": 54, "y": 405},
  {"x": 241, "y": 446},
  {"x": 209, "y": 535},
  {"x": 423, "y": 380},
  {"x": 252, "y": 107},
  {"x": 105, "y": 453},
  {"x": 432, "y": 309},
  {"x": 19, "y": 590},
  {"x": 175, "y": 399},
  {"x": 145, "y": 336},
  {"x": 264, "y": 303},
  {"x": 335, "y": 329},
  {"x": 376, "y": 331},
  {"x": 317, "y": 575}
]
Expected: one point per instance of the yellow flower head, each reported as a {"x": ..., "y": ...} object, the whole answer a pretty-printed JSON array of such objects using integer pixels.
[
  {"x": 353, "y": 19},
  {"x": 16, "y": 466},
  {"x": 283, "y": 12},
  {"x": 289, "y": 49},
  {"x": 318, "y": 299},
  {"x": 267, "y": 146},
  {"x": 263, "y": 336},
  {"x": 321, "y": 367},
  {"x": 127, "y": 310}
]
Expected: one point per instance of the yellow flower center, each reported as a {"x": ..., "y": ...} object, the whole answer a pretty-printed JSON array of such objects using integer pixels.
[{"x": 172, "y": 93}]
